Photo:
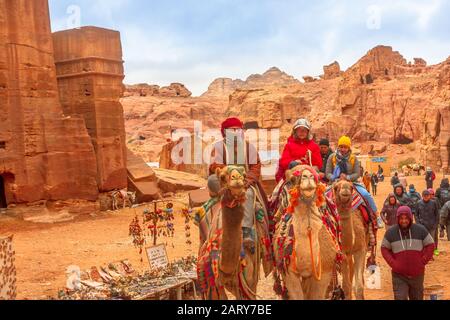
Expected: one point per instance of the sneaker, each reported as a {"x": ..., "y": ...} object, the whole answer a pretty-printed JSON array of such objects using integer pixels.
[{"x": 436, "y": 253}]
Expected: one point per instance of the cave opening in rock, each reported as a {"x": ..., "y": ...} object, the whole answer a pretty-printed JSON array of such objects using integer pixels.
[
  {"x": 3, "y": 203},
  {"x": 369, "y": 79}
]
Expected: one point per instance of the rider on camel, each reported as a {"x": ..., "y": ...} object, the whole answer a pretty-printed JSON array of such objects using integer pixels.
[
  {"x": 235, "y": 150},
  {"x": 300, "y": 148}
]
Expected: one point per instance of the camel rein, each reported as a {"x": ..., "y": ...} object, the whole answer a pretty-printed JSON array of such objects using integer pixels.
[{"x": 316, "y": 273}]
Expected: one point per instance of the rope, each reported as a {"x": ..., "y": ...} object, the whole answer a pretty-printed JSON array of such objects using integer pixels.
[{"x": 317, "y": 275}]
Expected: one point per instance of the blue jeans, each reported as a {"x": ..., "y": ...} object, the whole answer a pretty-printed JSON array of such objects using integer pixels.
[{"x": 362, "y": 190}]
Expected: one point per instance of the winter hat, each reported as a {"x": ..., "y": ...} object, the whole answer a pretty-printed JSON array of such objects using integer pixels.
[
  {"x": 345, "y": 142},
  {"x": 302, "y": 123},
  {"x": 324, "y": 142},
  {"x": 404, "y": 211},
  {"x": 230, "y": 123},
  {"x": 412, "y": 188},
  {"x": 426, "y": 193},
  {"x": 431, "y": 191}
]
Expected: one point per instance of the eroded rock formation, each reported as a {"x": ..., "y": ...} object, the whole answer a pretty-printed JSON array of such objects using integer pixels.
[{"x": 43, "y": 153}]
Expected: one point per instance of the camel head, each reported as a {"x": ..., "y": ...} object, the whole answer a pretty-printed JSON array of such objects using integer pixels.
[
  {"x": 343, "y": 193},
  {"x": 232, "y": 179},
  {"x": 306, "y": 184}
]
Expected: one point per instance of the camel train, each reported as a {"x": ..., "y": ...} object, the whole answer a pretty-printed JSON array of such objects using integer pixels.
[{"x": 306, "y": 234}]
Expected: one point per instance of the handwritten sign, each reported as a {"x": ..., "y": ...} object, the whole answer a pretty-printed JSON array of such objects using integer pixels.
[{"x": 157, "y": 257}]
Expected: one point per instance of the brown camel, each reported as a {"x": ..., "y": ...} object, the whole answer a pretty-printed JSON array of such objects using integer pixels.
[
  {"x": 239, "y": 276},
  {"x": 311, "y": 267},
  {"x": 355, "y": 241}
]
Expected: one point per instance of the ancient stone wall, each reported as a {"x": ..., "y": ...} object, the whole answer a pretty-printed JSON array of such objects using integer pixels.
[
  {"x": 90, "y": 72},
  {"x": 43, "y": 154}
]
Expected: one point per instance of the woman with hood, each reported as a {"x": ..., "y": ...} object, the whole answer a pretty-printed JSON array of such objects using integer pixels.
[
  {"x": 300, "y": 148},
  {"x": 389, "y": 211}
]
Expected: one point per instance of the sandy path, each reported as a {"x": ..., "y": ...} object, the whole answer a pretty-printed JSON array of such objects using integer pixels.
[{"x": 45, "y": 251}]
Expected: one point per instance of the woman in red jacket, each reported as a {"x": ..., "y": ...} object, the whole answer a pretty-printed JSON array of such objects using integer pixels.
[{"x": 300, "y": 148}]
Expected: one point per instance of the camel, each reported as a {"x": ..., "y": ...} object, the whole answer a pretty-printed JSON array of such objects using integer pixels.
[
  {"x": 355, "y": 240},
  {"x": 125, "y": 196},
  {"x": 311, "y": 264},
  {"x": 238, "y": 271}
]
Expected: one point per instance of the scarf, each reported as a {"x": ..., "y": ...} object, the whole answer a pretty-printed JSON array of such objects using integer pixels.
[{"x": 343, "y": 161}]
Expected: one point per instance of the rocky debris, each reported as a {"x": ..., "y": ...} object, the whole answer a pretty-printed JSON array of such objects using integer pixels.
[
  {"x": 175, "y": 181},
  {"x": 332, "y": 71},
  {"x": 142, "y": 179},
  {"x": 144, "y": 90}
]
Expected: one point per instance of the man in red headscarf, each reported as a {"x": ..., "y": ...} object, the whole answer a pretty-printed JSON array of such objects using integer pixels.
[{"x": 235, "y": 150}]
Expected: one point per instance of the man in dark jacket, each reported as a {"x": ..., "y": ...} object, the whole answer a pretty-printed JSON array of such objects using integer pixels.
[
  {"x": 325, "y": 152},
  {"x": 395, "y": 180},
  {"x": 407, "y": 248},
  {"x": 443, "y": 193},
  {"x": 428, "y": 216},
  {"x": 389, "y": 211}
]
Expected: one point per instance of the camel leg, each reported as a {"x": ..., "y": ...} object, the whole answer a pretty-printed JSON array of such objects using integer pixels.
[
  {"x": 294, "y": 287},
  {"x": 360, "y": 261},
  {"x": 347, "y": 277},
  {"x": 317, "y": 290}
]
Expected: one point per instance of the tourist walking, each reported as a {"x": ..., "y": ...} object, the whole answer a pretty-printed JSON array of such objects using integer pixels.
[
  {"x": 407, "y": 248},
  {"x": 374, "y": 181},
  {"x": 389, "y": 211},
  {"x": 428, "y": 215},
  {"x": 430, "y": 176}
]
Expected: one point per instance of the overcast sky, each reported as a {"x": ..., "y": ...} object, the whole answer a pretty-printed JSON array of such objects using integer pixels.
[{"x": 196, "y": 41}]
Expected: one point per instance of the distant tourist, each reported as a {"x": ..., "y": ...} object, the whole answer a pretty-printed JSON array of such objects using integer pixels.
[
  {"x": 374, "y": 181},
  {"x": 407, "y": 248},
  {"x": 395, "y": 180},
  {"x": 430, "y": 176},
  {"x": 367, "y": 180}
]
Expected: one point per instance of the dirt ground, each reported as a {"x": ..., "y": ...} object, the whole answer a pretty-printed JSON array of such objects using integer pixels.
[{"x": 43, "y": 252}]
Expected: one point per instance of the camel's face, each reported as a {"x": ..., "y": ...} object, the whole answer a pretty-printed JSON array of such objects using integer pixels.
[
  {"x": 233, "y": 179},
  {"x": 343, "y": 192},
  {"x": 308, "y": 184}
]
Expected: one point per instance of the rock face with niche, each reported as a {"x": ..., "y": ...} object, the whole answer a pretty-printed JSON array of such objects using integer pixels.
[{"x": 43, "y": 153}]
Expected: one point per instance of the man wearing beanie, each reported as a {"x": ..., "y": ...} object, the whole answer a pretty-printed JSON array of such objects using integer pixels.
[
  {"x": 235, "y": 150},
  {"x": 325, "y": 152},
  {"x": 407, "y": 248},
  {"x": 415, "y": 198}
]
